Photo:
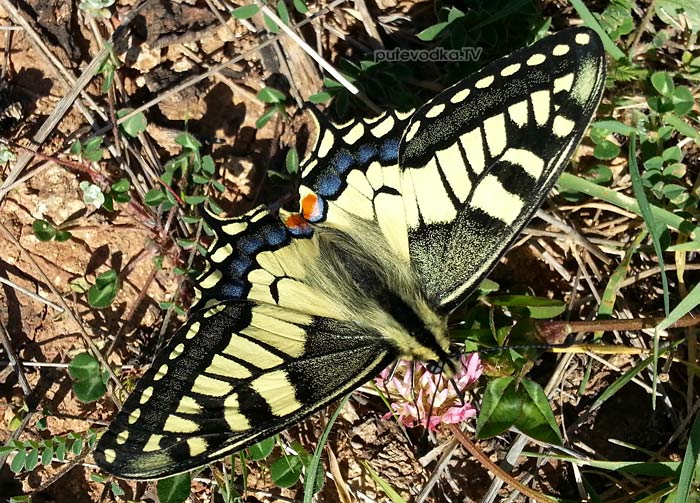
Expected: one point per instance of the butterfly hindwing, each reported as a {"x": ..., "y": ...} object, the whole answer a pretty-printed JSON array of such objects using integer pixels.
[
  {"x": 353, "y": 169},
  {"x": 478, "y": 159},
  {"x": 236, "y": 373}
]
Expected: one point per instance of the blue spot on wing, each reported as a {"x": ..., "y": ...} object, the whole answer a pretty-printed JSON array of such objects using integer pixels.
[
  {"x": 274, "y": 235},
  {"x": 233, "y": 290},
  {"x": 328, "y": 184},
  {"x": 249, "y": 244},
  {"x": 366, "y": 153},
  {"x": 343, "y": 161},
  {"x": 389, "y": 151},
  {"x": 240, "y": 265}
]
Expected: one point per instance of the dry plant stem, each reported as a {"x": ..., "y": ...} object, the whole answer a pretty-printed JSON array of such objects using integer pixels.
[
  {"x": 442, "y": 463},
  {"x": 75, "y": 86},
  {"x": 86, "y": 337},
  {"x": 30, "y": 294},
  {"x": 369, "y": 23},
  {"x": 574, "y": 235},
  {"x": 71, "y": 464},
  {"x": 216, "y": 69},
  {"x": 494, "y": 468},
  {"x": 634, "y": 46},
  {"x": 127, "y": 323},
  {"x": 14, "y": 361},
  {"x": 559, "y": 330},
  {"x": 80, "y": 168}
]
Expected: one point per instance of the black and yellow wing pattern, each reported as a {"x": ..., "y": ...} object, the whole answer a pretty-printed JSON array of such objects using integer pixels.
[{"x": 401, "y": 216}]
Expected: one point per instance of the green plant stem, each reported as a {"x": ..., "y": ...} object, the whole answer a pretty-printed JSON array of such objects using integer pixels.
[{"x": 571, "y": 183}]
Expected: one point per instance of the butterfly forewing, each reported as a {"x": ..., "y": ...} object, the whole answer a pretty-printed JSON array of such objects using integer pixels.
[
  {"x": 478, "y": 159},
  {"x": 400, "y": 216}
]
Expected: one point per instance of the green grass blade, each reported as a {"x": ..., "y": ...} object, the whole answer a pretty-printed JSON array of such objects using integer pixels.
[
  {"x": 690, "y": 461},
  {"x": 590, "y": 21},
  {"x": 690, "y": 302},
  {"x": 386, "y": 487},
  {"x": 315, "y": 463}
]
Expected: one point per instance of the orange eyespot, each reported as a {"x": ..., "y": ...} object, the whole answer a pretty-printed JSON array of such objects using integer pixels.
[
  {"x": 309, "y": 205},
  {"x": 298, "y": 225}
]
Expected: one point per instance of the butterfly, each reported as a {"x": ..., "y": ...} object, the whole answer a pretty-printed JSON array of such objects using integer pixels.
[{"x": 400, "y": 217}]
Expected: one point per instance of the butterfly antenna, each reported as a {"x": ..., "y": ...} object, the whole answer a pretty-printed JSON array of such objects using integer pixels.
[{"x": 432, "y": 402}]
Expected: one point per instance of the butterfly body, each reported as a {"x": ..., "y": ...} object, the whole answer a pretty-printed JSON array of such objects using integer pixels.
[{"x": 400, "y": 217}]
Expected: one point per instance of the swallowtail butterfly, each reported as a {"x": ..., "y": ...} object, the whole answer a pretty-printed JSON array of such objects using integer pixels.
[{"x": 401, "y": 216}]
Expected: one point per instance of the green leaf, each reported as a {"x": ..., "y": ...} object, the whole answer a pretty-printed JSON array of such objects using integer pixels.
[
  {"x": 285, "y": 471},
  {"x": 690, "y": 462},
  {"x": 133, "y": 126},
  {"x": 188, "y": 142},
  {"x": 599, "y": 174},
  {"x": 672, "y": 154},
  {"x": 121, "y": 185},
  {"x": 537, "y": 419},
  {"x": 432, "y": 31},
  {"x": 648, "y": 215},
  {"x": 193, "y": 199},
  {"x": 75, "y": 148},
  {"x": 265, "y": 117},
  {"x": 96, "y": 477},
  {"x": 538, "y": 307},
  {"x": 270, "y": 24},
  {"x": 663, "y": 83},
  {"x": 271, "y": 95},
  {"x": 654, "y": 163},
  {"x": 292, "y": 161},
  {"x": 245, "y": 12},
  {"x": 300, "y": 6},
  {"x": 62, "y": 236},
  {"x": 262, "y": 449},
  {"x": 32, "y": 459},
  {"x": 105, "y": 289},
  {"x": 208, "y": 165},
  {"x": 683, "y": 100},
  {"x": 17, "y": 464},
  {"x": 282, "y": 12},
  {"x": 681, "y": 14},
  {"x": 689, "y": 302},
  {"x": 606, "y": 150},
  {"x": 116, "y": 489},
  {"x": 83, "y": 366},
  {"x": 154, "y": 197},
  {"x": 41, "y": 424},
  {"x": 613, "y": 126},
  {"x": 77, "y": 446},
  {"x": 43, "y": 230},
  {"x": 60, "y": 450},
  {"x": 500, "y": 408},
  {"x": 321, "y": 97},
  {"x": 47, "y": 455},
  {"x": 681, "y": 126},
  {"x": 175, "y": 489},
  {"x": 88, "y": 384}
]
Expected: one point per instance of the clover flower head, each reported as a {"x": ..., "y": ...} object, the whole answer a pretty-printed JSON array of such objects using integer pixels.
[{"x": 420, "y": 397}]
